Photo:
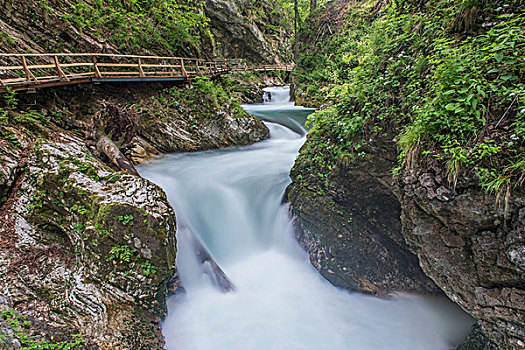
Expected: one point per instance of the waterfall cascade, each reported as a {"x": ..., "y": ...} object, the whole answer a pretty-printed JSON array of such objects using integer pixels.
[{"x": 230, "y": 202}]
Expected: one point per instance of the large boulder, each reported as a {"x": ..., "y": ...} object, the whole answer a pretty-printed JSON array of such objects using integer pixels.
[
  {"x": 87, "y": 250},
  {"x": 348, "y": 218}
]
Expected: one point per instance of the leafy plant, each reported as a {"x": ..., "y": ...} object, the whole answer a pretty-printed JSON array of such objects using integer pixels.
[
  {"x": 126, "y": 220},
  {"x": 147, "y": 268},
  {"x": 455, "y": 99},
  {"x": 156, "y": 24},
  {"x": 122, "y": 253},
  {"x": 20, "y": 327}
]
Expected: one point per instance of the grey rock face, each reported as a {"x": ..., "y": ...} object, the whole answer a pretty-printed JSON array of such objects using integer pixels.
[
  {"x": 239, "y": 32},
  {"x": 177, "y": 133},
  {"x": 88, "y": 250},
  {"x": 468, "y": 248}
]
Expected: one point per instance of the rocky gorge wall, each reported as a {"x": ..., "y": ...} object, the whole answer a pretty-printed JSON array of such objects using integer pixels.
[
  {"x": 363, "y": 230},
  {"x": 470, "y": 246},
  {"x": 349, "y": 222},
  {"x": 255, "y": 31},
  {"x": 87, "y": 248},
  {"x": 380, "y": 77}
]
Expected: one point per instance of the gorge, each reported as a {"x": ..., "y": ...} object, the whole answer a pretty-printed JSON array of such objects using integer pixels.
[
  {"x": 390, "y": 214},
  {"x": 231, "y": 199}
]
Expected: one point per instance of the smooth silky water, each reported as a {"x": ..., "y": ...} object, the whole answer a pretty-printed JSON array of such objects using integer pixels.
[{"x": 231, "y": 200}]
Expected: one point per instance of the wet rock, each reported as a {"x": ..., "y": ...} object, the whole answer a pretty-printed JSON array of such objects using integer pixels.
[
  {"x": 468, "y": 248},
  {"x": 350, "y": 224},
  {"x": 477, "y": 341},
  {"x": 71, "y": 261},
  {"x": 241, "y": 30},
  {"x": 174, "y": 133}
]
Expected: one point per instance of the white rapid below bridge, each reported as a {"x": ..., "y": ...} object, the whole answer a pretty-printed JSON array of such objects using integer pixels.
[{"x": 231, "y": 201}]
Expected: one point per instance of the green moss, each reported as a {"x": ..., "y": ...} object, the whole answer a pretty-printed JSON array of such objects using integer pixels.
[{"x": 21, "y": 328}]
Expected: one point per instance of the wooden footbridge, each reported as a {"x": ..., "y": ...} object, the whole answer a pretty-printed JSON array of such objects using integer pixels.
[{"x": 35, "y": 71}]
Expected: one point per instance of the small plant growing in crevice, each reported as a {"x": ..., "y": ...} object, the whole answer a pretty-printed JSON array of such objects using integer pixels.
[
  {"x": 122, "y": 253},
  {"x": 126, "y": 220}
]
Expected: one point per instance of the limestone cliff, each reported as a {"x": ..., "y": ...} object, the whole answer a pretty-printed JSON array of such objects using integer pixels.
[
  {"x": 250, "y": 30},
  {"x": 470, "y": 247},
  {"x": 360, "y": 227},
  {"x": 349, "y": 222}
]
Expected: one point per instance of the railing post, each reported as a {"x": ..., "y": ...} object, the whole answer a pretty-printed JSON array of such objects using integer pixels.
[
  {"x": 198, "y": 69},
  {"x": 141, "y": 71},
  {"x": 97, "y": 72},
  {"x": 60, "y": 71},
  {"x": 29, "y": 75},
  {"x": 184, "y": 73}
]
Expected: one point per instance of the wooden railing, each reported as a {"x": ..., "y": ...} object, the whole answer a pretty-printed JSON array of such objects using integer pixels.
[{"x": 32, "y": 71}]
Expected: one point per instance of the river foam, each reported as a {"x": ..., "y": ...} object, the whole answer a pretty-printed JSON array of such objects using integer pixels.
[{"x": 231, "y": 200}]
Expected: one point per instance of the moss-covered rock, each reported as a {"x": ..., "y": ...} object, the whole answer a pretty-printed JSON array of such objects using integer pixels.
[
  {"x": 348, "y": 218},
  {"x": 92, "y": 247},
  {"x": 194, "y": 118}
]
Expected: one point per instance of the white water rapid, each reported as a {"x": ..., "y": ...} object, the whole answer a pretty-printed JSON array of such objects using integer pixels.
[{"x": 231, "y": 200}]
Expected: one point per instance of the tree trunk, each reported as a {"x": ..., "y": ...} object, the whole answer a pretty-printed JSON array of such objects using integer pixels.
[
  {"x": 297, "y": 22},
  {"x": 116, "y": 158}
]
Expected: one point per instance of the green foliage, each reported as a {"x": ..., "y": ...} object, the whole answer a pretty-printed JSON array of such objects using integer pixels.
[
  {"x": 287, "y": 6},
  {"x": 84, "y": 167},
  {"x": 455, "y": 99},
  {"x": 80, "y": 209},
  {"x": 20, "y": 327},
  {"x": 135, "y": 24},
  {"x": 126, "y": 220},
  {"x": 207, "y": 87},
  {"x": 10, "y": 98},
  {"x": 6, "y": 39},
  {"x": 147, "y": 268},
  {"x": 473, "y": 115},
  {"x": 203, "y": 99},
  {"x": 10, "y": 102},
  {"x": 102, "y": 232},
  {"x": 122, "y": 253}
]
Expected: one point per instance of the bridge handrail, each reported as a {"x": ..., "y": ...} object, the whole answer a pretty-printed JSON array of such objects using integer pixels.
[{"x": 31, "y": 74}]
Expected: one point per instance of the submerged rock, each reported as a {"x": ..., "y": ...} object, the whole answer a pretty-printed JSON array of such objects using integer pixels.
[{"x": 88, "y": 250}]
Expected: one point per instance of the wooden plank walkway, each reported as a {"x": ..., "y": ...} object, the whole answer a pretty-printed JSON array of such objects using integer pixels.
[{"x": 35, "y": 71}]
